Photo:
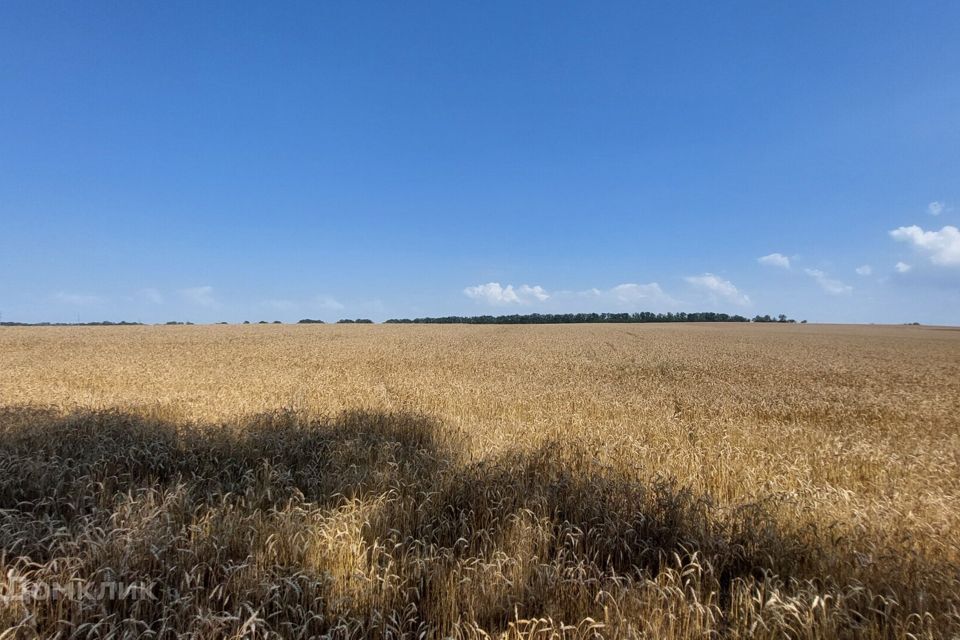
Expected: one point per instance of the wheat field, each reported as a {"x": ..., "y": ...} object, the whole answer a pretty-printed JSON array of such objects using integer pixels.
[{"x": 614, "y": 481}]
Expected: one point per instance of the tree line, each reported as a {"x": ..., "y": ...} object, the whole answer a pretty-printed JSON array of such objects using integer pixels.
[
  {"x": 587, "y": 318},
  {"x": 529, "y": 318},
  {"x": 104, "y": 323}
]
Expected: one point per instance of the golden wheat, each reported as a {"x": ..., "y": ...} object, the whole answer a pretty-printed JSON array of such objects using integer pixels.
[{"x": 658, "y": 481}]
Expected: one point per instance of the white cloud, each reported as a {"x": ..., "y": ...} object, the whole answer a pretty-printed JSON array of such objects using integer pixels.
[
  {"x": 775, "y": 260},
  {"x": 537, "y": 292},
  {"x": 151, "y": 295},
  {"x": 935, "y": 208},
  {"x": 719, "y": 288},
  {"x": 494, "y": 294},
  {"x": 828, "y": 284},
  {"x": 202, "y": 296},
  {"x": 941, "y": 247},
  {"x": 864, "y": 270},
  {"x": 328, "y": 303},
  {"x": 902, "y": 267},
  {"x": 628, "y": 294},
  {"x": 79, "y": 299}
]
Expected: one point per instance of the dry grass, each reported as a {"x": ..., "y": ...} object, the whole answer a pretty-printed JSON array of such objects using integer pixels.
[{"x": 559, "y": 481}]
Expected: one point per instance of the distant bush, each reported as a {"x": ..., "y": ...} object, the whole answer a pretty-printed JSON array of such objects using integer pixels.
[{"x": 309, "y": 321}]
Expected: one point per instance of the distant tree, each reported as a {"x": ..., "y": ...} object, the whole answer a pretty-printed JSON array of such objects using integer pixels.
[
  {"x": 309, "y": 321},
  {"x": 246, "y": 322}
]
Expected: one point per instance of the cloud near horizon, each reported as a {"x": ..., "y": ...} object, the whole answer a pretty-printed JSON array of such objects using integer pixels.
[
  {"x": 328, "y": 303},
  {"x": 719, "y": 289},
  {"x": 626, "y": 295},
  {"x": 281, "y": 305},
  {"x": 828, "y": 284},
  {"x": 316, "y": 304},
  {"x": 942, "y": 247},
  {"x": 202, "y": 296},
  {"x": 151, "y": 295},
  {"x": 494, "y": 294},
  {"x": 79, "y": 299}
]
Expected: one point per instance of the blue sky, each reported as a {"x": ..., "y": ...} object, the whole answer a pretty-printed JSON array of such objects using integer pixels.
[{"x": 230, "y": 161}]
